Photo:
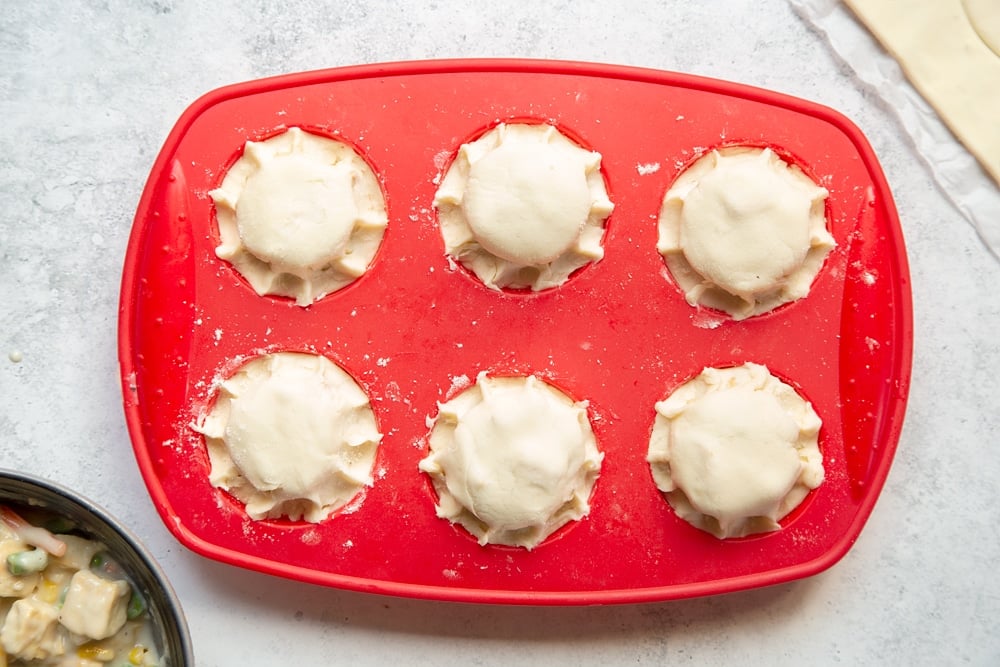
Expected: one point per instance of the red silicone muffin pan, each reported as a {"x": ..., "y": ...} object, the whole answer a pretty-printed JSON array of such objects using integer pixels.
[{"x": 416, "y": 328}]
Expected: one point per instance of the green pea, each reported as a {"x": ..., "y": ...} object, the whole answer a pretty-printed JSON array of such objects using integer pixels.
[
  {"x": 27, "y": 562},
  {"x": 136, "y": 606}
]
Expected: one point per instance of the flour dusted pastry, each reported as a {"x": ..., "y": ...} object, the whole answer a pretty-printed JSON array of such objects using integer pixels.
[
  {"x": 291, "y": 434},
  {"x": 743, "y": 232},
  {"x": 523, "y": 206},
  {"x": 512, "y": 460},
  {"x": 735, "y": 450},
  {"x": 300, "y": 215}
]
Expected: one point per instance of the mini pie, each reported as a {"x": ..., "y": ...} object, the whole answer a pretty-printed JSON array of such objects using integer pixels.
[
  {"x": 299, "y": 215},
  {"x": 523, "y": 207},
  {"x": 735, "y": 450},
  {"x": 291, "y": 435},
  {"x": 512, "y": 460},
  {"x": 743, "y": 232}
]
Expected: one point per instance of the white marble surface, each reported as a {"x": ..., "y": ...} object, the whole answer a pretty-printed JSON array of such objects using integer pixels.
[{"x": 88, "y": 92}]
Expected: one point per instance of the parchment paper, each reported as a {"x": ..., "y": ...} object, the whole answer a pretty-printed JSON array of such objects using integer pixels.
[{"x": 953, "y": 167}]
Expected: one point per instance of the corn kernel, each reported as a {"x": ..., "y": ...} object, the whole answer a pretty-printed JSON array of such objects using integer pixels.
[
  {"x": 48, "y": 591},
  {"x": 95, "y": 652},
  {"x": 136, "y": 655}
]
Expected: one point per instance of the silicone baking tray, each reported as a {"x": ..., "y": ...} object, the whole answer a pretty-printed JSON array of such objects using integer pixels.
[{"x": 416, "y": 329}]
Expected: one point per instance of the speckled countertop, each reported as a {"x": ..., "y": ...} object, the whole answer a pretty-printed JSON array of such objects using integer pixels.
[{"x": 88, "y": 92}]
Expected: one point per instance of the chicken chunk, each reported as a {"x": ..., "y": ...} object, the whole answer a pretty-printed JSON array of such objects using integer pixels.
[
  {"x": 31, "y": 631},
  {"x": 95, "y": 607}
]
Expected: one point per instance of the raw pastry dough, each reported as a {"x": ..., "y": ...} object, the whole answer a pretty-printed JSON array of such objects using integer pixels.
[
  {"x": 735, "y": 450},
  {"x": 523, "y": 206},
  {"x": 984, "y": 15},
  {"x": 743, "y": 232},
  {"x": 291, "y": 434},
  {"x": 943, "y": 47},
  {"x": 299, "y": 215},
  {"x": 512, "y": 460}
]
